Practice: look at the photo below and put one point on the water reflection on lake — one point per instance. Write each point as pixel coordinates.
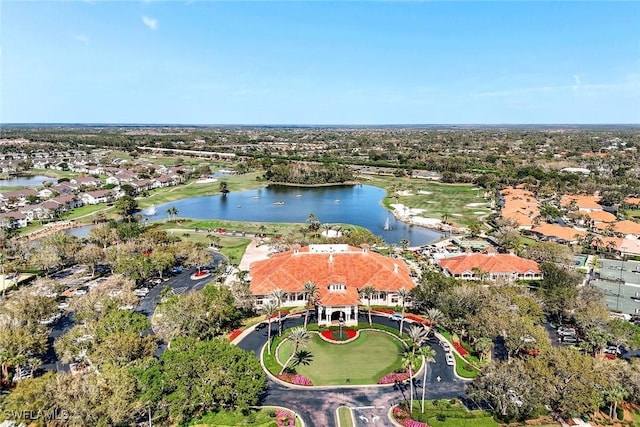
(27, 181)
(359, 205)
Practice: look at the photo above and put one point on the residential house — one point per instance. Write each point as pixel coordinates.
(520, 206)
(85, 182)
(558, 233)
(13, 220)
(97, 196)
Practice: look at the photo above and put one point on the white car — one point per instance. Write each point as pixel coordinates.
(611, 349)
(396, 316)
(449, 358)
(564, 331)
(141, 292)
(126, 307)
(445, 346)
(79, 292)
(63, 305)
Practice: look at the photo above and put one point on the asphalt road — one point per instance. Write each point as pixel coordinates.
(317, 406)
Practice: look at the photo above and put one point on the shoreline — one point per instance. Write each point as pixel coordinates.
(328, 184)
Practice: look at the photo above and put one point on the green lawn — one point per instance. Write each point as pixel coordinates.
(444, 413)
(256, 418)
(448, 201)
(54, 173)
(632, 213)
(363, 361)
(193, 189)
(344, 417)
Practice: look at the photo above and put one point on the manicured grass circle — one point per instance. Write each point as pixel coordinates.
(363, 361)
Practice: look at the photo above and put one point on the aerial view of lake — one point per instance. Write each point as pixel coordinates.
(359, 205)
(27, 181)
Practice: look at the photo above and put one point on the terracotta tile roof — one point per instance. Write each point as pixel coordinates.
(564, 233)
(520, 206)
(632, 200)
(627, 227)
(629, 246)
(354, 267)
(583, 202)
(496, 263)
(602, 216)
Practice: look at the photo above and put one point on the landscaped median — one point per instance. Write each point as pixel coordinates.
(440, 413)
(330, 363)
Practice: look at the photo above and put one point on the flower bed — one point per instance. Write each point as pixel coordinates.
(284, 418)
(233, 335)
(347, 334)
(394, 377)
(296, 379)
(463, 351)
(404, 418)
(416, 318)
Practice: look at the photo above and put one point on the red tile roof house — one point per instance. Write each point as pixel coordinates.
(339, 271)
(490, 265)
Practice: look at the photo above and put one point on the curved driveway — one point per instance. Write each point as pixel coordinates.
(317, 406)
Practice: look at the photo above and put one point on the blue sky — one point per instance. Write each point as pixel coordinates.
(350, 62)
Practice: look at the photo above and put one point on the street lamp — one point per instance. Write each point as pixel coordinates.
(341, 324)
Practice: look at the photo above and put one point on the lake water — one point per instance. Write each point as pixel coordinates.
(359, 205)
(27, 181)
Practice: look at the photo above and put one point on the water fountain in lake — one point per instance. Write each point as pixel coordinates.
(150, 211)
(386, 227)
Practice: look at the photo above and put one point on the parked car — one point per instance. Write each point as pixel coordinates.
(565, 331)
(611, 349)
(63, 305)
(260, 325)
(79, 292)
(176, 270)
(155, 281)
(445, 346)
(51, 319)
(449, 358)
(570, 339)
(397, 317)
(141, 292)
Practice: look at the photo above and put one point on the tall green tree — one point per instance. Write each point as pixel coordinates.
(368, 292)
(299, 337)
(311, 291)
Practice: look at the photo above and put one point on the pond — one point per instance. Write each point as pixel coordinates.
(27, 181)
(360, 205)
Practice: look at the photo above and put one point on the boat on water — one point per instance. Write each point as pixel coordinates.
(238, 206)
(278, 203)
(298, 195)
(256, 197)
(337, 200)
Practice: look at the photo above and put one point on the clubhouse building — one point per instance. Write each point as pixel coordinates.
(339, 272)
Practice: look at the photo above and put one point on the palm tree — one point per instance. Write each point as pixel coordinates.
(278, 295)
(428, 355)
(404, 294)
(368, 292)
(409, 361)
(172, 212)
(300, 338)
(269, 308)
(614, 395)
(404, 243)
(417, 335)
(435, 316)
(311, 290)
(302, 357)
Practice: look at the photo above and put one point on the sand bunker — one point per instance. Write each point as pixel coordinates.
(424, 192)
(475, 205)
(404, 193)
(206, 180)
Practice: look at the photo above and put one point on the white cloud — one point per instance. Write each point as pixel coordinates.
(82, 38)
(150, 22)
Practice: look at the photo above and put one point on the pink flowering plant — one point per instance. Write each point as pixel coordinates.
(394, 377)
